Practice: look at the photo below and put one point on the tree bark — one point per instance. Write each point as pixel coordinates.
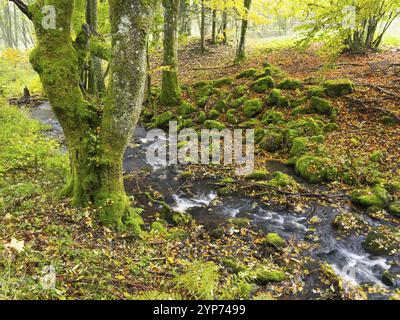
(241, 51)
(96, 136)
(203, 27)
(214, 27)
(170, 92)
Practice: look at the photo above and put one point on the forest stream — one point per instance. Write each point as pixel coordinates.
(199, 198)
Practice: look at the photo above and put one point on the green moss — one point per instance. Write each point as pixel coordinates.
(339, 88)
(264, 276)
(213, 124)
(223, 82)
(276, 98)
(221, 106)
(263, 84)
(375, 197)
(202, 102)
(252, 107)
(163, 119)
(283, 180)
(257, 175)
(320, 105)
(376, 156)
(239, 91)
(186, 174)
(202, 117)
(290, 84)
(202, 83)
(213, 114)
(383, 240)
(272, 141)
(395, 209)
(273, 117)
(186, 108)
(301, 110)
(305, 127)
(158, 227)
(316, 91)
(238, 102)
(315, 169)
(239, 222)
(231, 116)
(233, 265)
(249, 73)
(275, 240)
(330, 127)
(350, 224)
(302, 145)
(259, 134)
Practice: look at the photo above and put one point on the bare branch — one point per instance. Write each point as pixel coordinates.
(23, 7)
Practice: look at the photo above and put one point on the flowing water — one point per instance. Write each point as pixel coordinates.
(346, 256)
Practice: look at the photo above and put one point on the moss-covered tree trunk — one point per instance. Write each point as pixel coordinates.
(96, 136)
(241, 51)
(170, 92)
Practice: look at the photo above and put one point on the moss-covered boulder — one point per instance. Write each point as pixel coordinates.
(214, 114)
(162, 120)
(249, 73)
(339, 88)
(273, 117)
(321, 106)
(237, 103)
(202, 117)
(233, 266)
(263, 84)
(273, 140)
(330, 127)
(315, 91)
(315, 169)
(277, 99)
(305, 127)
(213, 124)
(290, 84)
(202, 102)
(350, 224)
(223, 82)
(239, 91)
(186, 108)
(282, 180)
(221, 106)
(259, 134)
(257, 175)
(274, 239)
(301, 110)
(375, 197)
(383, 240)
(239, 222)
(302, 145)
(252, 107)
(231, 116)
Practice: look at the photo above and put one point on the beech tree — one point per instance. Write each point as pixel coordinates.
(170, 93)
(240, 54)
(96, 135)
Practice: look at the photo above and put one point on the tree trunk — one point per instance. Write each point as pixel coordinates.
(170, 92)
(214, 27)
(203, 27)
(241, 51)
(96, 136)
(224, 27)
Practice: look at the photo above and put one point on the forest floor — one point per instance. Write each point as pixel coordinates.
(38, 233)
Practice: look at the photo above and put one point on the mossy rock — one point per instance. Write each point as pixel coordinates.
(221, 106)
(294, 103)
(315, 169)
(316, 91)
(331, 127)
(383, 240)
(263, 84)
(234, 266)
(394, 209)
(281, 179)
(225, 191)
(179, 218)
(300, 110)
(237, 103)
(185, 123)
(231, 116)
(264, 276)
(376, 156)
(393, 186)
(239, 91)
(158, 227)
(162, 120)
(249, 73)
(214, 114)
(390, 279)
(274, 239)
(277, 99)
(302, 145)
(305, 127)
(223, 82)
(375, 197)
(186, 108)
(214, 125)
(257, 175)
(321, 106)
(350, 224)
(252, 107)
(240, 222)
(339, 88)
(272, 141)
(259, 134)
(290, 84)
(202, 117)
(202, 102)
(178, 234)
(202, 83)
(217, 233)
(273, 117)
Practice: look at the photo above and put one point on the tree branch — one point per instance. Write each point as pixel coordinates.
(23, 7)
